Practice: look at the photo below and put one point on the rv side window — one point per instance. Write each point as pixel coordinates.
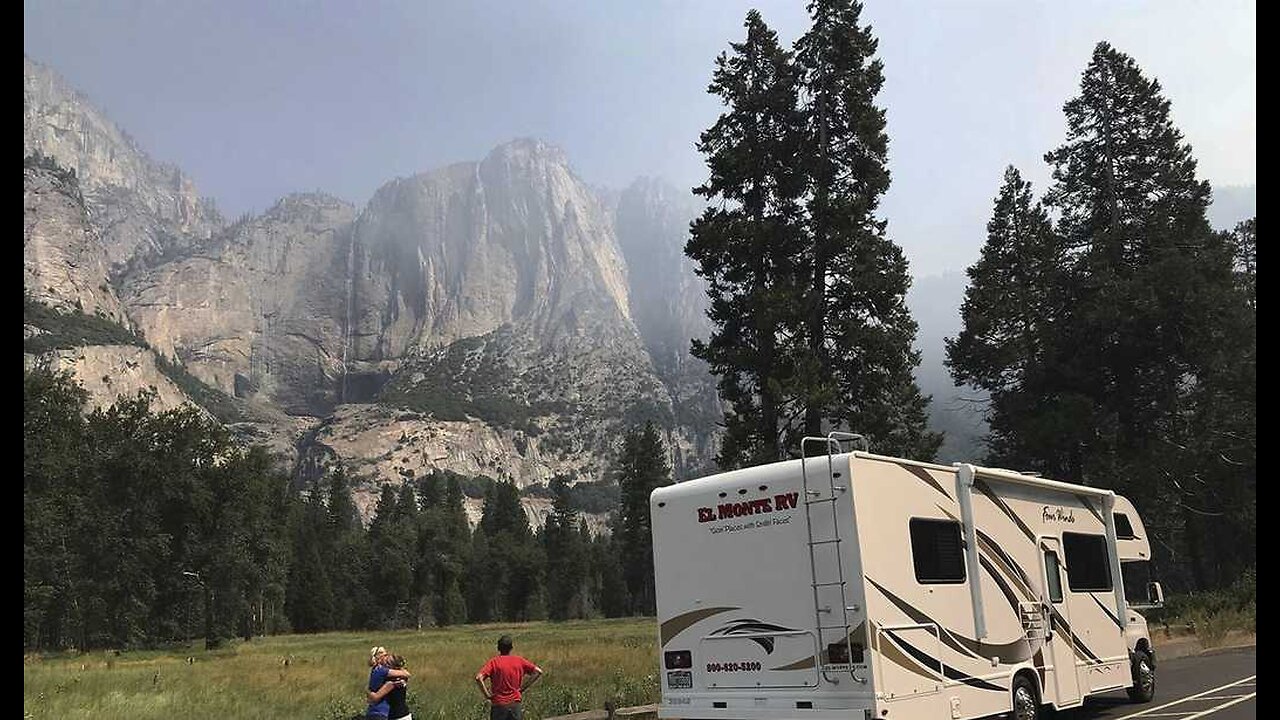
(937, 551)
(1088, 564)
(1124, 528)
(1054, 575)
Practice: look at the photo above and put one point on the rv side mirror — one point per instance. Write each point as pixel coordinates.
(1155, 594)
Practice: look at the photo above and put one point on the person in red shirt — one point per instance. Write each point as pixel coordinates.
(509, 676)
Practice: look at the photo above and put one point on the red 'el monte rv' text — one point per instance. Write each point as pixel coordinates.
(783, 501)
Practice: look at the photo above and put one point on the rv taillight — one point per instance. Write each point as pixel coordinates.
(677, 659)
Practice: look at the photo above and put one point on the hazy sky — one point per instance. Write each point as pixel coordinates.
(257, 99)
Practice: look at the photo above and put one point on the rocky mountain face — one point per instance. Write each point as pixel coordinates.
(142, 209)
(515, 240)
(64, 264)
(258, 310)
(490, 303)
(109, 372)
(493, 318)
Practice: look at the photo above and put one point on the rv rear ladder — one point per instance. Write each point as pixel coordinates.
(832, 440)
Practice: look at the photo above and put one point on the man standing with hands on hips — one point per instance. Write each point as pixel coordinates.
(509, 676)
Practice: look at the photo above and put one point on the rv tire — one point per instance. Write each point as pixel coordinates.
(1144, 678)
(1026, 699)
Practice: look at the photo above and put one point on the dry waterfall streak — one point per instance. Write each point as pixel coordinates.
(1190, 714)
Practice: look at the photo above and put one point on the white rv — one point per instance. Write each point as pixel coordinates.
(853, 585)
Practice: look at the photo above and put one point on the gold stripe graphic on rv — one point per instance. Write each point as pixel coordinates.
(1081, 650)
(891, 651)
(1008, 653)
(677, 624)
(925, 476)
(856, 635)
(948, 672)
(1000, 583)
(985, 489)
(1107, 610)
(1010, 566)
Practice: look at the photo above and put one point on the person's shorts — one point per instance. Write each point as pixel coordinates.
(505, 712)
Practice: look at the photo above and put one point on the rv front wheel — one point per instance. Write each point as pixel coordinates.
(1144, 678)
(1026, 703)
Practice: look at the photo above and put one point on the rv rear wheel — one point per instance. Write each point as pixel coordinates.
(1026, 701)
(1144, 678)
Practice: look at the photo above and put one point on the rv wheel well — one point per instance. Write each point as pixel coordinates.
(1030, 675)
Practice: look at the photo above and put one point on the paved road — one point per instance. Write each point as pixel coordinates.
(1215, 687)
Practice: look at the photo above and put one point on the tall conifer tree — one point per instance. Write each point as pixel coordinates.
(748, 240)
(856, 368)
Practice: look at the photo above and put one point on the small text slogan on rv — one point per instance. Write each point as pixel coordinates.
(748, 508)
(1057, 514)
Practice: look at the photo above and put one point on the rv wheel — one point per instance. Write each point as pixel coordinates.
(1144, 678)
(1026, 704)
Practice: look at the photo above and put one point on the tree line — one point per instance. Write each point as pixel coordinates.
(142, 528)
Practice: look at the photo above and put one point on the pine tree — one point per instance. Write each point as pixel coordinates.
(487, 580)
(610, 589)
(52, 445)
(643, 467)
(1133, 214)
(454, 553)
(857, 362)
(309, 599)
(1218, 456)
(503, 512)
(345, 550)
(1012, 305)
(747, 240)
(391, 542)
(566, 556)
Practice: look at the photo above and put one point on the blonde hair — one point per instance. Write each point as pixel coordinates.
(375, 652)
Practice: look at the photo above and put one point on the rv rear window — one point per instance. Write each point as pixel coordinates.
(937, 551)
(1088, 564)
(1124, 528)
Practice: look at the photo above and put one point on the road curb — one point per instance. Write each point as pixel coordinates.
(1228, 648)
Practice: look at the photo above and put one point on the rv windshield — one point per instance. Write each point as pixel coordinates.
(1137, 575)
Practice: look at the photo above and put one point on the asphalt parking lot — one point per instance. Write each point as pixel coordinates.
(1220, 686)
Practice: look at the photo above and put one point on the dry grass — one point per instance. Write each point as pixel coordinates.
(586, 664)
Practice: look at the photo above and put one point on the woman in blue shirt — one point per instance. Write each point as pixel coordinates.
(381, 675)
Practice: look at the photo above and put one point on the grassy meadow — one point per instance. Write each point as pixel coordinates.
(586, 663)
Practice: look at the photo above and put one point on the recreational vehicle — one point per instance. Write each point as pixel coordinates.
(854, 585)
